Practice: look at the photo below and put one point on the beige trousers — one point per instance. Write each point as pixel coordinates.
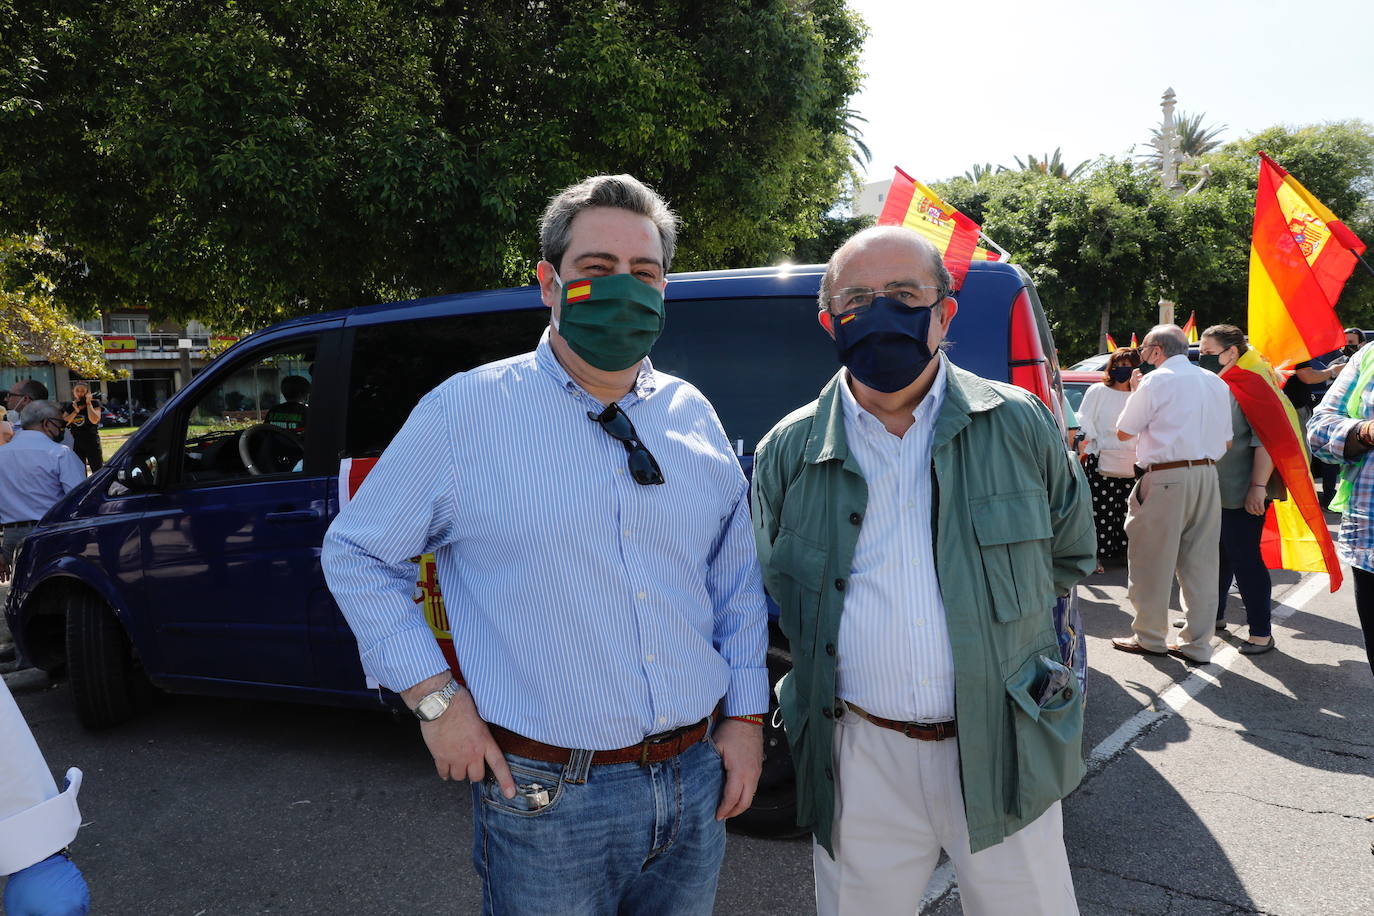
(898, 802)
(1173, 528)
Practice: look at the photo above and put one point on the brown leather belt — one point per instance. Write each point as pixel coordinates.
(1179, 464)
(922, 731)
(653, 749)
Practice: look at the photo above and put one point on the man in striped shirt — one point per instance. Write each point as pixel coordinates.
(593, 545)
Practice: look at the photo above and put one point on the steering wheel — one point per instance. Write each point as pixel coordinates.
(255, 439)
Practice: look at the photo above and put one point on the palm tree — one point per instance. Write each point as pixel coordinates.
(860, 153)
(1051, 165)
(1193, 139)
(979, 172)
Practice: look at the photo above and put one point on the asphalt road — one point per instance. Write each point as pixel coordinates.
(1254, 797)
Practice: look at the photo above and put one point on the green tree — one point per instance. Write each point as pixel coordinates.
(243, 162)
(1050, 165)
(32, 324)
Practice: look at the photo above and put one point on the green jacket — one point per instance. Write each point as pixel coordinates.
(1013, 529)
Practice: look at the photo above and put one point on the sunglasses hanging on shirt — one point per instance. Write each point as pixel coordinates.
(616, 422)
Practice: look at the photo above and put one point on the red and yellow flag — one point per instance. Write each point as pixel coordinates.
(913, 205)
(1134, 343)
(1295, 535)
(120, 343)
(1300, 257)
(1190, 328)
(1111, 344)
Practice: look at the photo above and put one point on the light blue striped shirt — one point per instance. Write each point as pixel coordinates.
(895, 658)
(35, 472)
(587, 611)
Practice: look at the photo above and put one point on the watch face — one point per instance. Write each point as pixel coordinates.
(431, 708)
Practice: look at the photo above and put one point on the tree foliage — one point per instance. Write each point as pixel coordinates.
(1105, 247)
(33, 324)
(243, 162)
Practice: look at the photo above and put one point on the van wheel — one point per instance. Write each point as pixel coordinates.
(774, 811)
(100, 663)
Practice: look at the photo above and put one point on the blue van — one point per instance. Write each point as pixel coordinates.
(191, 561)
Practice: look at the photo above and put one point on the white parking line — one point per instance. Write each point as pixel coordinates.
(1169, 702)
(1182, 693)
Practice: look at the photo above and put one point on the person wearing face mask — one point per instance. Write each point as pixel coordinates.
(1108, 461)
(591, 529)
(1243, 475)
(915, 525)
(35, 472)
(1183, 419)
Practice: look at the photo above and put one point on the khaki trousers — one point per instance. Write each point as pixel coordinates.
(898, 802)
(1173, 528)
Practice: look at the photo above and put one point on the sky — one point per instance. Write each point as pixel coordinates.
(953, 84)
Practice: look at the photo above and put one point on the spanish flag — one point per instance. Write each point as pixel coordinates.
(1295, 535)
(1134, 342)
(579, 290)
(1300, 257)
(1111, 344)
(913, 205)
(1190, 328)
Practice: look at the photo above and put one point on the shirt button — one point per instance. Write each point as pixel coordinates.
(626, 532)
(649, 657)
(662, 719)
(828, 712)
(830, 648)
(855, 518)
(641, 595)
(925, 681)
(920, 621)
(839, 585)
(620, 470)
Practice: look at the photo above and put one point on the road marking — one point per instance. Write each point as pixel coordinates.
(1170, 702)
(1181, 694)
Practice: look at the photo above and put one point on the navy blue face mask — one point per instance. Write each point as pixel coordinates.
(1120, 374)
(884, 346)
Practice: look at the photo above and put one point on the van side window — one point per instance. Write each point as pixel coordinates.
(254, 421)
(397, 363)
(786, 364)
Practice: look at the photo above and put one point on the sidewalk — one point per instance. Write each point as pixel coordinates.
(1255, 796)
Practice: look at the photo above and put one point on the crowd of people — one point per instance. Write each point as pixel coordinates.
(1197, 449)
(606, 589)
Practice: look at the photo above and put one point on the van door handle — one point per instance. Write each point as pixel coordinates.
(292, 517)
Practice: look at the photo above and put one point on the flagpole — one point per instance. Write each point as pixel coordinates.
(1362, 261)
(1006, 255)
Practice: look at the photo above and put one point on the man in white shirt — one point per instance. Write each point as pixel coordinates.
(1173, 524)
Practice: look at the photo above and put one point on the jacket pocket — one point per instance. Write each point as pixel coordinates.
(1013, 531)
(801, 563)
(1047, 718)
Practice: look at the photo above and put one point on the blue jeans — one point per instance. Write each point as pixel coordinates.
(613, 839)
(1240, 558)
(53, 887)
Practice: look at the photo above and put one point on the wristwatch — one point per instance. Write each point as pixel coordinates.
(433, 705)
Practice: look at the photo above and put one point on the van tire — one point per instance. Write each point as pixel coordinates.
(774, 810)
(100, 663)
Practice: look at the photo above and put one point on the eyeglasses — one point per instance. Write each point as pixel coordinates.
(643, 468)
(858, 298)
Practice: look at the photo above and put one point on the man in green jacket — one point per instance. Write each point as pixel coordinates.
(915, 525)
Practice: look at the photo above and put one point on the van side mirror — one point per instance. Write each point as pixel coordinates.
(139, 475)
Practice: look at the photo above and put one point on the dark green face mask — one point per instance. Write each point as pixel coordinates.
(611, 322)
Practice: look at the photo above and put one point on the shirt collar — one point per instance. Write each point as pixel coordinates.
(1173, 361)
(923, 413)
(646, 382)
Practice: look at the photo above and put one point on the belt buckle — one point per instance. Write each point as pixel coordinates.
(908, 726)
(650, 742)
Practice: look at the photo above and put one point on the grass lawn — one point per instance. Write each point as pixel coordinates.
(112, 438)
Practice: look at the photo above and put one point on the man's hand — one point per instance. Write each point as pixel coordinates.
(1254, 500)
(459, 741)
(741, 748)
